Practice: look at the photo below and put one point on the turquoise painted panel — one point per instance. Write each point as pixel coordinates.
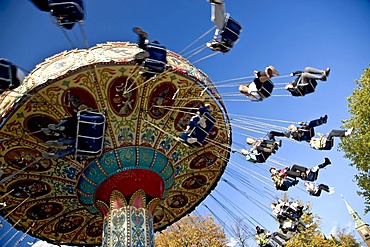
(87, 200)
(146, 156)
(109, 163)
(168, 184)
(168, 172)
(127, 156)
(94, 174)
(93, 210)
(159, 163)
(86, 187)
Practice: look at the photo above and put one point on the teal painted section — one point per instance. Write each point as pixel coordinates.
(146, 157)
(109, 163)
(130, 158)
(168, 172)
(159, 163)
(85, 187)
(168, 184)
(127, 156)
(94, 174)
(87, 200)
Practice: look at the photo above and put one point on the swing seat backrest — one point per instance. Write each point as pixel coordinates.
(67, 12)
(262, 157)
(312, 176)
(8, 75)
(266, 89)
(306, 134)
(230, 33)
(306, 89)
(157, 60)
(202, 133)
(90, 133)
(328, 144)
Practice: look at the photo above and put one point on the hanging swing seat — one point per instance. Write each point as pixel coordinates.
(9, 76)
(230, 33)
(312, 176)
(264, 90)
(305, 134)
(329, 143)
(157, 60)
(67, 13)
(261, 157)
(90, 133)
(196, 134)
(302, 90)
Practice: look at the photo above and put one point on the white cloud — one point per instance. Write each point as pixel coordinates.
(45, 244)
(333, 230)
(232, 242)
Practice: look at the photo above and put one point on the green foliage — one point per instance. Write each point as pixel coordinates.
(356, 146)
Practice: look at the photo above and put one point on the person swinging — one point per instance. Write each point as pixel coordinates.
(227, 29)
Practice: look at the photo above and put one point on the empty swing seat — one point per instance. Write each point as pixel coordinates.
(10, 76)
(90, 133)
(67, 12)
(231, 31)
(157, 60)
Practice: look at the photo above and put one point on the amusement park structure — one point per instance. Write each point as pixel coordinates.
(129, 174)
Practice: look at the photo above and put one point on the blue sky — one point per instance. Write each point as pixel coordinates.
(287, 34)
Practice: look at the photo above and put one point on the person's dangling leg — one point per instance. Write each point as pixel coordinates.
(318, 122)
(298, 171)
(336, 133)
(298, 168)
(218, 16)
(67, 141)
(264, 149)
(326, 163)
(276, 240)
(280, 235)
(325, 73)
(142, 39)
(305, 79)
(323, 187)
(64, 152)
(271, 135)
(314, 70)
(318, 192)
(301, 223)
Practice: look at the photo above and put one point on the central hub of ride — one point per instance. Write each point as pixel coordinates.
(126, 185)
(125, 170)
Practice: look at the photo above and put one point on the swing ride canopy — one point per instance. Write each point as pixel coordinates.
(60, 200)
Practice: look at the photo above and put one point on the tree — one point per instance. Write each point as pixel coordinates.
(346, 238)
(313, 237)
(356, 146)
(199, 231)
(241, 232)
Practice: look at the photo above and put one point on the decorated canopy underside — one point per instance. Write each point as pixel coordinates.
(147, 117)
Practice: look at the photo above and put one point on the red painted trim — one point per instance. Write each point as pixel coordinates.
(130, 181)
